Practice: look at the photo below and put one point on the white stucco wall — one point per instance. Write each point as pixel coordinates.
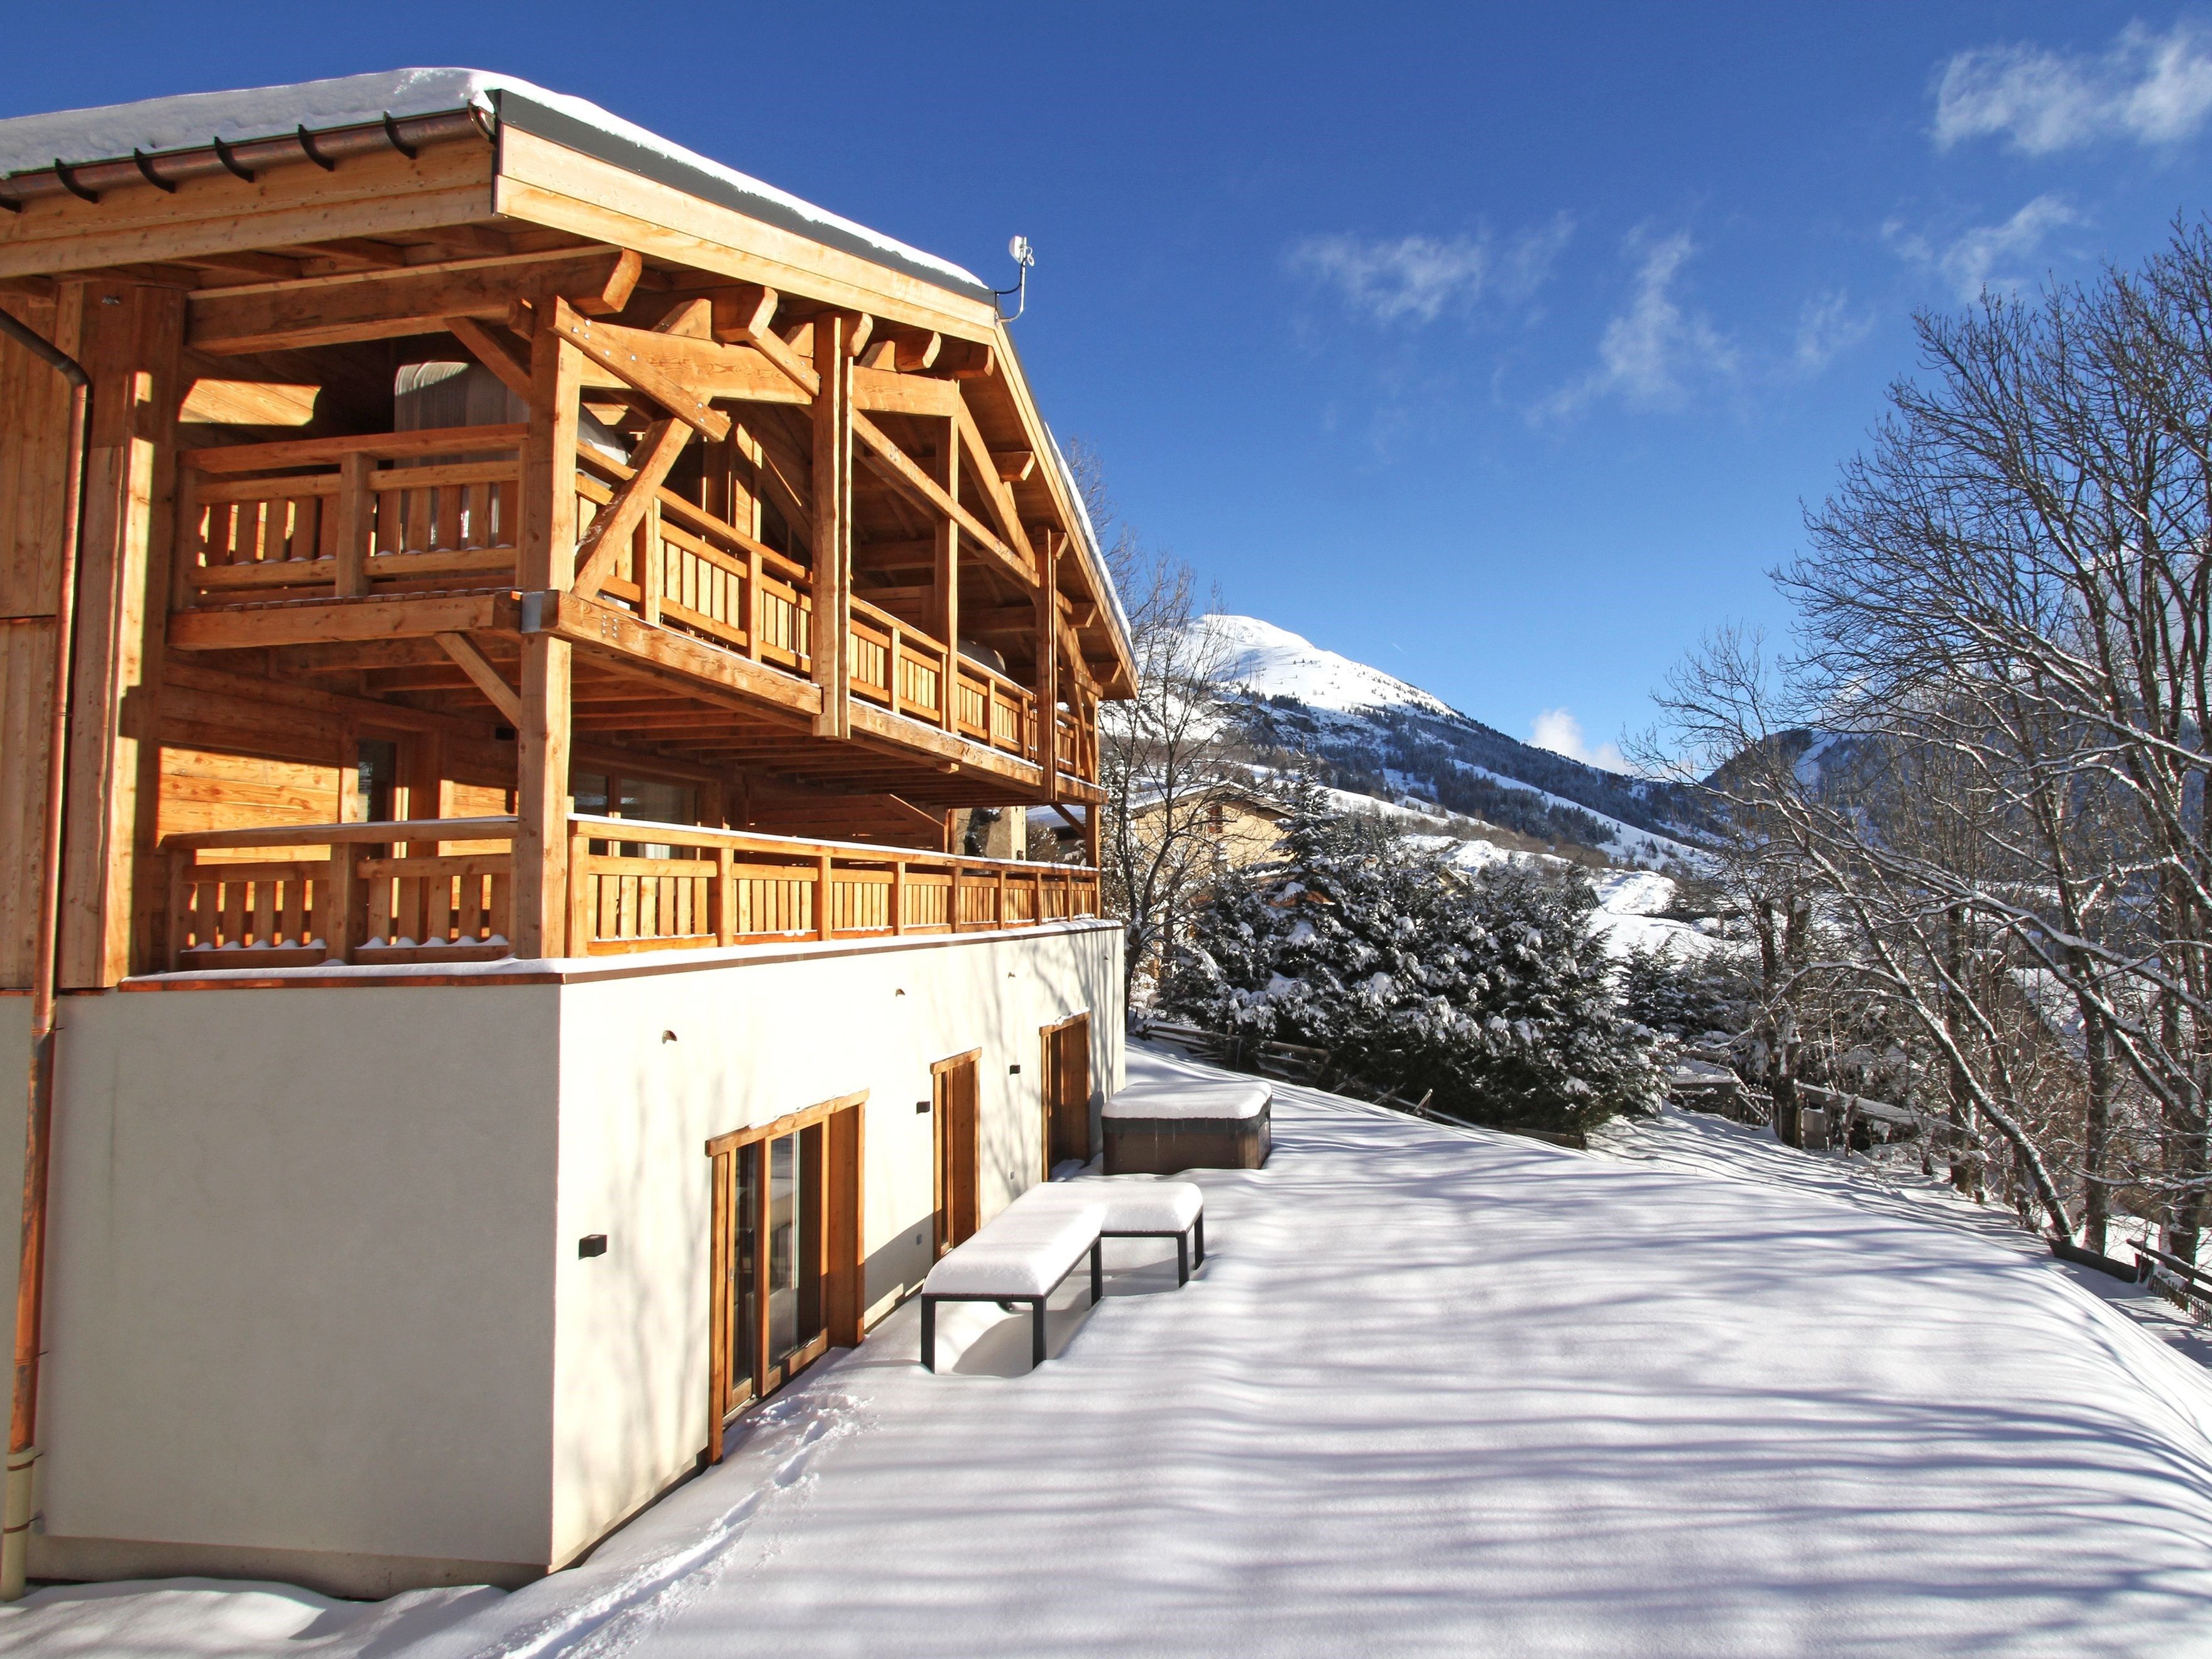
(753, 1041)
(300, 1290)
(315, 1287)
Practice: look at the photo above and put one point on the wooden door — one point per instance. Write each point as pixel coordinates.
(789, 1264)
(1066, 1092)
(953, 1088)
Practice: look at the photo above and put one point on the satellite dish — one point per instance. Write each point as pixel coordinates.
(1018, 250)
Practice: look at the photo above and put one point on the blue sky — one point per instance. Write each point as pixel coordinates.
(1495, 345)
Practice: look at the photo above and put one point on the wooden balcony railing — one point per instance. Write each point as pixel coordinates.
(686, 569)
(412, 511)
(712, 887)
(323, 892)
(301, 895)
(346, 517)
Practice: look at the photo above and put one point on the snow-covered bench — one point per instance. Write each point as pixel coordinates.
(1021, 1255)
(1136, 1207)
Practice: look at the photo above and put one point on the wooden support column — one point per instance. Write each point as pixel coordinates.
(129, 340)
(1047, 663)
(944, 590)
(834, 331)
(547, 561)
(422, 776)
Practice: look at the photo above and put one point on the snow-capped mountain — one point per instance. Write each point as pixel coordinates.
(1384, 737)
(1274, 662)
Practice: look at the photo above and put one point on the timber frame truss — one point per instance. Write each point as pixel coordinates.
(764, 510)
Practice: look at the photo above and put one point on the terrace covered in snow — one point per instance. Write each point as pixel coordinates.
(1438, 1392)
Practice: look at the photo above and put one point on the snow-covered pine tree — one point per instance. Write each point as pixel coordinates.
(1554, 1049)
(1689, 998)
(1488, 989)
(1288, 948)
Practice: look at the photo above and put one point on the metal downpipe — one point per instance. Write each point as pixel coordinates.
(38, 1122)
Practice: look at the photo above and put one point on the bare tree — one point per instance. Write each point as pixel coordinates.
(2008, 601)
(1164, 756)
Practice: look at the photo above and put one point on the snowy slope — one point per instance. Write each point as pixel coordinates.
(1437, 1391)
(1391, 740)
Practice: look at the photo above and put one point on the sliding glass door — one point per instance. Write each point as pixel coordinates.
(786, 1250)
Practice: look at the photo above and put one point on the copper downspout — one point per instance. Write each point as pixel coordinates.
(38, 1123)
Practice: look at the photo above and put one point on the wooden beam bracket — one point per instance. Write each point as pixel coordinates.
(473, 663)
(605, 346)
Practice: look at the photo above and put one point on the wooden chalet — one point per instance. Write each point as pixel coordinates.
(541, 607)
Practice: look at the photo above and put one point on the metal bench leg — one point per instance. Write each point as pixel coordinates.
(1198, 1232)
(1182, 1259)
(928, 1333)
(1036, 1332)
(1098, 1271)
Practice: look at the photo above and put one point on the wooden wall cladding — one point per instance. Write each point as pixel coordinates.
(33, 429)
(33, 433)
(27, 670)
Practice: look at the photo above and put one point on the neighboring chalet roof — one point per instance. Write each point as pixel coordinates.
(79, 152)
(1251, 800)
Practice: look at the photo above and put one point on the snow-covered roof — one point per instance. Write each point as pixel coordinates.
(113, 132)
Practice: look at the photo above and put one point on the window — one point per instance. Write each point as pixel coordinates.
(376, 779)
(605, 794)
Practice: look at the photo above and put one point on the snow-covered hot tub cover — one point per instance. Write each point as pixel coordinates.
(1159, 1088)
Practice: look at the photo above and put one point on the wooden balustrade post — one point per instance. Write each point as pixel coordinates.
(891, 673)
(357, 524)
(341, 903)
(898, 897)
(582, 893)
(651, 563)
(824, 897)
(753, 607)
(180, 861)
(999, 916)
(726, 897)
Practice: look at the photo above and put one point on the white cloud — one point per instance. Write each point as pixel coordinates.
(1559, 731)
(1986, 256)
(1652, 350)
(1828, 325)
(1416, 279)
(2153, 89)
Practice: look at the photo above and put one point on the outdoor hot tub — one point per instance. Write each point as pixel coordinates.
(1172, 1116)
